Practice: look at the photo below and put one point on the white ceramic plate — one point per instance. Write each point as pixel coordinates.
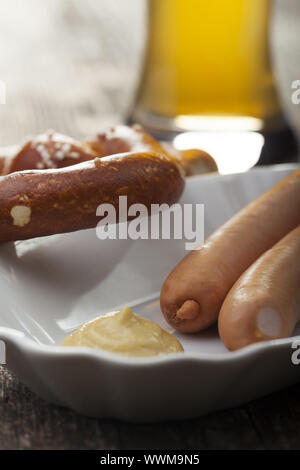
(50, 286)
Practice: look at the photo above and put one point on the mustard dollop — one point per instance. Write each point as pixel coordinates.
(124, 333)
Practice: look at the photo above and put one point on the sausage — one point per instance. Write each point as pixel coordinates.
(48, 150)
(264, 303)
(34, 203)
(192, 294)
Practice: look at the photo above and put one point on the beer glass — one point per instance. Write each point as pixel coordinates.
(207, 68)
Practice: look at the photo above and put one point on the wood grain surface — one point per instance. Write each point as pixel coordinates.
(72, 66)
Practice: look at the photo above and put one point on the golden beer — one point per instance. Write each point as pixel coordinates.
(207, 67)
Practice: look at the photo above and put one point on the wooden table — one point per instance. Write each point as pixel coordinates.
(72, 66)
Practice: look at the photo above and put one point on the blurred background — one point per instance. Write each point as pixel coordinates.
(75, 66)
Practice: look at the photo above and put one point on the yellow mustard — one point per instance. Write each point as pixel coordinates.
(124, 333)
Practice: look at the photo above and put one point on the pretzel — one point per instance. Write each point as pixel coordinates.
(125, 139)
(54, 150)
(54, 184)
(48, 150)
(35, 203)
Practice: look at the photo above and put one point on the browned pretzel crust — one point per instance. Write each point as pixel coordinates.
(44, 202)
(54, 150)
